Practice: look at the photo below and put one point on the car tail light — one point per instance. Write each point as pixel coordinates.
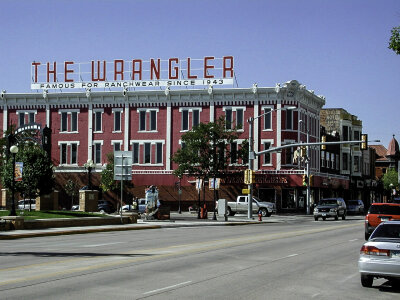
(371, 250)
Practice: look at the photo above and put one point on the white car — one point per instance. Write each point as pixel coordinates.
(27, 203)
(380, 255)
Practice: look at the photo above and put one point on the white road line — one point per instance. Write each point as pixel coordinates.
(353, 240)
(168, 287)
(99, 245)
(291, 255)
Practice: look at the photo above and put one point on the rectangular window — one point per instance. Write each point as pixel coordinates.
(289, 156)
(153, 120)
(345, 162)
(97, 121)
(289, 119)
(196, 117)
(159, 153)
(228, 118)
(185, 119)
(233, 153)
(64, 122)
(63, 150)
(117, 121)
(97, 153)
(239, 118)
(31, 116)
(267, 156)
(142, 120)
(147, 153)
(21, 117)
(74, 151)
(333, 161)
(356, 164)
(135, 156)
(117, 146)
(356, 135)
(74, 121)
(345, 133)
(267, 118)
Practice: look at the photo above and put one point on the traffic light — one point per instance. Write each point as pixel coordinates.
(252, 176)
(46, 140)
(323, 147)
(304, 180)
(364, 141)
(249, 176)
(246, 176)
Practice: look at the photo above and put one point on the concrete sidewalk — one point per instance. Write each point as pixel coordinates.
(177, 220)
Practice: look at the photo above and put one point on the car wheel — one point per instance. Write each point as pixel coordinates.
(102, 211)
(316, 218)
(228, 211)
(263, 212)
(367, 280)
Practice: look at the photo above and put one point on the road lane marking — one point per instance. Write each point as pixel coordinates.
(167, 287)
(99, 245)
(353, 240)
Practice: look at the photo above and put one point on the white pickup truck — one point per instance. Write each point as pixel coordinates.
(241, 206)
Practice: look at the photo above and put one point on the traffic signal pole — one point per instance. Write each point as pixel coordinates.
(251, 167)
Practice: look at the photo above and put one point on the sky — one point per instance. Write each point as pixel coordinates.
(337, 48)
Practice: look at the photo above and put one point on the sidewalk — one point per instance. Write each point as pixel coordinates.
(185, 219)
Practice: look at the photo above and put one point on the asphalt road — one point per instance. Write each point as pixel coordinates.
(296, 259)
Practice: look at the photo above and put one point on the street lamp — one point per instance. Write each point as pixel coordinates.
(252, 154)
(391, 191)
(89, 165)
(14, 151)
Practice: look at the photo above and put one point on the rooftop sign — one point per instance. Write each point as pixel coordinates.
(134, 73)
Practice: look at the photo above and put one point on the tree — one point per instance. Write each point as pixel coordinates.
(394, 42)
(391, 177)
(208, 151)
(71, 188)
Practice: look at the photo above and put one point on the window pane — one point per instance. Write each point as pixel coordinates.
(135, 149)
(142, 120)
(21, 119)
(185, 120)
(239, 118)
(117, 121)
(267, 118)
(289, 119)
(63, 154)
(64, 122)
(74, 121)
(196, 117)
(147, 153)
(73, 153)
(117, 146)
(153, 120)
(228, 118)
(159, 153)
(97, 154)
(267, 156)
(31, 117)
(233, 153)
(98, 121)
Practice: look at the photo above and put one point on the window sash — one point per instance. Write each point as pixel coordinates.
(74, 152)
(185, 120)
(64, 122)
(21, 119)
(74, 121)
(147, 153)
(159, 153)
(267, 156)
(267, 118)
(117, 121)
(98, 121)
(228, 118)
(239, 118)
(289, 119)
(153, 120)
(196, 117)
(31, 117)
(135, 149)
(97, 153)
(142, 120)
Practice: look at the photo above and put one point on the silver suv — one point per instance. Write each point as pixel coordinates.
(330, 208)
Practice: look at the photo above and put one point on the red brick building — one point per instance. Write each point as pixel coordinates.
(88, 125)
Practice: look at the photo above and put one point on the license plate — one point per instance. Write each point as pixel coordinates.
(324, 215)
(395, 253)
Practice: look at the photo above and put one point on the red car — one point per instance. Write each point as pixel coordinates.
(380, 212)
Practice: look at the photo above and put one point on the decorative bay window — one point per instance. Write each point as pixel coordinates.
(147, 119)
(26, 116)
(147, 152)
(234, 115)
(68, 152)
(69, 120)
(185, 119)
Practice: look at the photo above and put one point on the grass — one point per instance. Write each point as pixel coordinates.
(51, 214)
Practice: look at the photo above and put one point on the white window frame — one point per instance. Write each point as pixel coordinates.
(141, 152)
(95, 112)
(69, 120)
(234, 110)
(68, 158)
(116, 111)
(25, 113)
(95, 157)
(147, 126)
(271, 108)
(190, 115)
(114, 142)
(271, 142)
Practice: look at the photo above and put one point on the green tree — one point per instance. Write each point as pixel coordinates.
(394, 42)
(391, 177)
(71, 188)
(107, 182)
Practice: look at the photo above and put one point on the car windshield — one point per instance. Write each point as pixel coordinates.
(387, 230)
(328, 202)
(385, 209)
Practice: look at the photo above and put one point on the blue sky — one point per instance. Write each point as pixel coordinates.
(337, 48)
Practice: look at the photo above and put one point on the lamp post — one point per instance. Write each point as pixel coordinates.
(391, 191)
(252, 154)
(14, 151)
(89, 165)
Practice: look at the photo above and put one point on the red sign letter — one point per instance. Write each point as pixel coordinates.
(36, 64)
(116, 72)
(228, 69)
(206, 66)
(188, 70)
(134, 69)
(154, 70)
(66, 71)
(98, 71)
(176, 69)
(51, 72)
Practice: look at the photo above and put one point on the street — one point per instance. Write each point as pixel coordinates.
(296, 258)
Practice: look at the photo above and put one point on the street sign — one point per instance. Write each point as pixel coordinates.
(123, 165)
(245, 191)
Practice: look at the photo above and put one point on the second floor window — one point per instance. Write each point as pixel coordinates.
(97, 121)
(97, 153)
(117, 120)
(267, 156)
(68, 153)
(25, 117)
(234, 116)
(148, 119)
(289, 119)
(69, 121)
(267, 118)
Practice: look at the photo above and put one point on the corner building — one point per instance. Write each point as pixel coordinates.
(91, 124)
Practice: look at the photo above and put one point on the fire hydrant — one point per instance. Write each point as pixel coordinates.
(259, 216)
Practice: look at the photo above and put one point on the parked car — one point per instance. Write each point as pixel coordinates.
(103, 206)
(380, 255)
(330, 208)
(355, 207)
(380, 212)
(27, 203)
(129, 207)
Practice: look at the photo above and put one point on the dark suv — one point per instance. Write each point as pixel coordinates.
(330, 208)
(105, 206)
